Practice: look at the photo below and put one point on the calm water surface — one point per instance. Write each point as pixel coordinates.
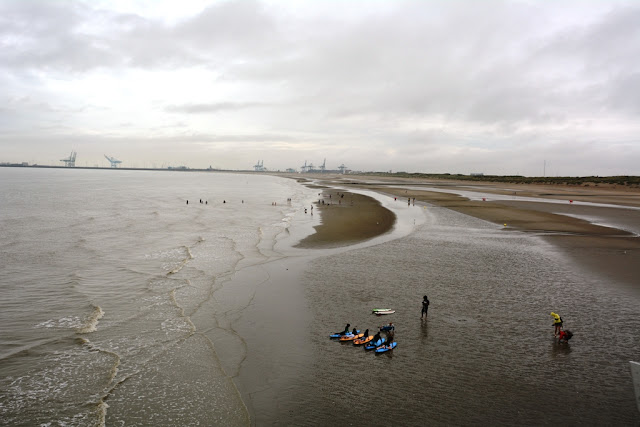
(109, 311)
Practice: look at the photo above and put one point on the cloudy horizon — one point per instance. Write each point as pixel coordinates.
(494, 87)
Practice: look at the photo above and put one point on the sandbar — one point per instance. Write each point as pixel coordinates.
(347, 218)
(602, 248)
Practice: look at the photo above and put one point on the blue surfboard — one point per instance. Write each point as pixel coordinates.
(373, 346)
(384, 348)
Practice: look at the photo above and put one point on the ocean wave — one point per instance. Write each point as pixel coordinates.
(69, 322)
(91, 322)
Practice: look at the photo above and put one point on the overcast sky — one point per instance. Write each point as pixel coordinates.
(499, 87)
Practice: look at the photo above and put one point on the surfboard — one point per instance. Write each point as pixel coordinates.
(351, 337)
(375, 310)
(340, 334)
(373, 346)
(380, 313)
(363, 340)
(383, 349)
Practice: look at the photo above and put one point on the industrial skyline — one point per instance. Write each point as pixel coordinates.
(70, 162)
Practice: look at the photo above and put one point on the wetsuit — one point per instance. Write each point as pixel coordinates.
(425, 307)
(390, 334)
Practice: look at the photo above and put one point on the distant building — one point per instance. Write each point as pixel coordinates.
(477, 174)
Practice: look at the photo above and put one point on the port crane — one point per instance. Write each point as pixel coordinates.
(323, 166)
(259, 167)
(70, 162)
(114, 162)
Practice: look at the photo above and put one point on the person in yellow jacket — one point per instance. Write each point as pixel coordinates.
(557, 323)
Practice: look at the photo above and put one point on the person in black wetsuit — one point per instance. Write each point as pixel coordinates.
(425, 306)
(346, 329)
(376, 337)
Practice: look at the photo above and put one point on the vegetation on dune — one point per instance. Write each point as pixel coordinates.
(630, 181)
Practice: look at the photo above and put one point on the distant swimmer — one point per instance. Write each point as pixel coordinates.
(557, 323)
(224, 201)
(187, 202)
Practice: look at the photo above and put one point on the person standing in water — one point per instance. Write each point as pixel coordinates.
(425, 307)
(390, 335)
(557, 323)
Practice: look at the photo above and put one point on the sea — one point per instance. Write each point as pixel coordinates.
(122, 304)
(105, 276)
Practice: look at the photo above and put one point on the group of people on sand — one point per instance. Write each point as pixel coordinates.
(558, 330)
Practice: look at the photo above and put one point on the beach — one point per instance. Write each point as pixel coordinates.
(136, 308)
(486, 354)
(603, 249)
(347, 218)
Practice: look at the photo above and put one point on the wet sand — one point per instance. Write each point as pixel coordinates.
(602, 249)
(459, 367)
(347, 218)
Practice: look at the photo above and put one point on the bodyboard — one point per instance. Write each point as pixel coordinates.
(373, 346)
(364, 340)
(351, 337)
(383, 349)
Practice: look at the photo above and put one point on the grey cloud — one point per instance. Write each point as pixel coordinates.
(68, 36)
(418, 79)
